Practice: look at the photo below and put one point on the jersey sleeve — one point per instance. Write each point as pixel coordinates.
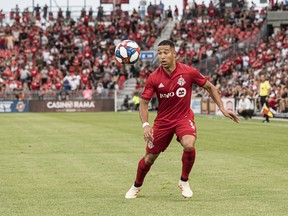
(267, 85)
(198, 78)
(148, 90)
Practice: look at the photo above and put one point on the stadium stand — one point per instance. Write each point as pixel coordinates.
(232, 49)
(45, 54)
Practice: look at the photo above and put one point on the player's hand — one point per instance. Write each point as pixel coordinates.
(148, 133)
(231, 115)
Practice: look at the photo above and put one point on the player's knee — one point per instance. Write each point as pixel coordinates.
(149, 161)
(150, 158)
(188, 148)
(188, 143)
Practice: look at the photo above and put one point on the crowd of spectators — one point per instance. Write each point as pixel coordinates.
(241, 74)
(199, 38)
(211, 32)
(67, 54)
(204, 31)
(278, 6)
(44, 51)
(203, 35)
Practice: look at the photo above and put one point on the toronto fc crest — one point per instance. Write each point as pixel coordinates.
(150, 145)
(181, 81)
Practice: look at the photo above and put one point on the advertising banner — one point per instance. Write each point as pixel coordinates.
(147, 55)
(116, 1)
(71, 106)
(212, 107)
(229, 104)
(204, 106)
(196, 105)
(13, 106)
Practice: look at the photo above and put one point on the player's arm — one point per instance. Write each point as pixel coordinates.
(143, 110)
(143, 113)
(217, 99)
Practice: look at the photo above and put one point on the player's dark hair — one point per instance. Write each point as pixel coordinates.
(167, 42)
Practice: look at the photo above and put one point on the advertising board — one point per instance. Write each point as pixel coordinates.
(71, 106)
(229, 104)
(196, 105)
(13, 106)
(116, 1)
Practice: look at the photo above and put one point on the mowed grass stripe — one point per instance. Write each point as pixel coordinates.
(83, 163)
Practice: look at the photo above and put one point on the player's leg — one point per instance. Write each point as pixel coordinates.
(144, 166)
(162, 139)
(263, 102)
(186, 134)
(188, 156)
(188, 159)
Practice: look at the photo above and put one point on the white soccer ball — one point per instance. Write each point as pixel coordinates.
(127, 52)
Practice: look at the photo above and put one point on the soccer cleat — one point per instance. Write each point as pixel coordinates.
(186, 190)
(133, 192)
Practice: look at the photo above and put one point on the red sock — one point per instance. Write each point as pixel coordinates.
(142, 170)
(188, 159)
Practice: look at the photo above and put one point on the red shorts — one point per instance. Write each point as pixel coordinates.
(164, 135)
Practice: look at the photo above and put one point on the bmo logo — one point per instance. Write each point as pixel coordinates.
(181, 92)
(167, 95)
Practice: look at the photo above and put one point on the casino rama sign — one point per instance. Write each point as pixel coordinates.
(70, 104)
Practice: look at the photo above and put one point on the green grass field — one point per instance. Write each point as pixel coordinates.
(58, 164)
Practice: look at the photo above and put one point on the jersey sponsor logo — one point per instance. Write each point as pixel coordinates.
(150, 145)
(181, 81)
(181, 92)
(161, 85)
(167, 95)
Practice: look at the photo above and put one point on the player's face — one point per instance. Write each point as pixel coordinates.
(166, 56)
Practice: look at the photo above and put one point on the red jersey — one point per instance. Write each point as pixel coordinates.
(84, 79)
(173, 92)
(51, 73)
(34, 72)
(58, 85)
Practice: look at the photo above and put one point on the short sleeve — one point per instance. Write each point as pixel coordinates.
(268, 85)
(198, 78)
(148, 90)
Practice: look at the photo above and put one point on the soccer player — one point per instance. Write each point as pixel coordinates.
(172, 83)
